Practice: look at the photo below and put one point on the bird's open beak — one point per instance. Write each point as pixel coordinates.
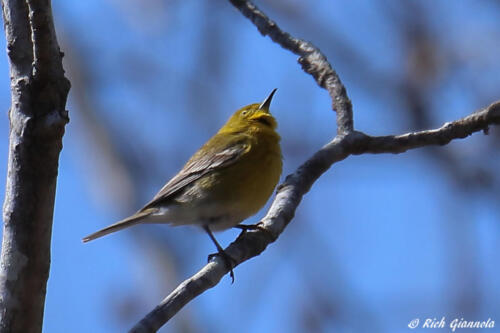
(267, 102)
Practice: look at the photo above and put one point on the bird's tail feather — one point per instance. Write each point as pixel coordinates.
(137, 218)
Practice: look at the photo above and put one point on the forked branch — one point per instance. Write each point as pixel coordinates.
(289, 194)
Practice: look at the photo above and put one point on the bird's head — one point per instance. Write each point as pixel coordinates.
(253, 115)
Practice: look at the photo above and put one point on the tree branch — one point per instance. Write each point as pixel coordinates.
(47, 56)
(289, 194)
(312, 60)
(37, 119)
(459, 129)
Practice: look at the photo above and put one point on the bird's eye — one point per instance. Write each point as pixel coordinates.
(244, 113)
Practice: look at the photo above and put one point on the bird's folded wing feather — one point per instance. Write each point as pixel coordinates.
(214, 155)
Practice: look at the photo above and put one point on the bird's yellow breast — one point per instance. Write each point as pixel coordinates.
(244, 187)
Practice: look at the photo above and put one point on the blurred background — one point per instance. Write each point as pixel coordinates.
(379, 240)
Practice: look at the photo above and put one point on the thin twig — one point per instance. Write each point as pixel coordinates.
(459, 129)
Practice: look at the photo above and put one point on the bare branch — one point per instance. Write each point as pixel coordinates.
(47, 57)
(312, 60)
(458, 129)
(252, 243)
(19, 49)
(37, 119)
(289, 194)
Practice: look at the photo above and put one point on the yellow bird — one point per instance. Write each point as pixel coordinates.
(227, 180)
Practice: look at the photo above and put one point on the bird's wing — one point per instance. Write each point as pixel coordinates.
(214, 155)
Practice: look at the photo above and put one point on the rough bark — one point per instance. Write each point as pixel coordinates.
(37, 119)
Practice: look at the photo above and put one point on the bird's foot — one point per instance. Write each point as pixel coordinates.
(258, 226)
(228, 260)
(246, 227)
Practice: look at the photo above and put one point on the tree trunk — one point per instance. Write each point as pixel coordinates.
(37, 120)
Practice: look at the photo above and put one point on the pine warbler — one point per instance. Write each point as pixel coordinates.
(227, 180)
